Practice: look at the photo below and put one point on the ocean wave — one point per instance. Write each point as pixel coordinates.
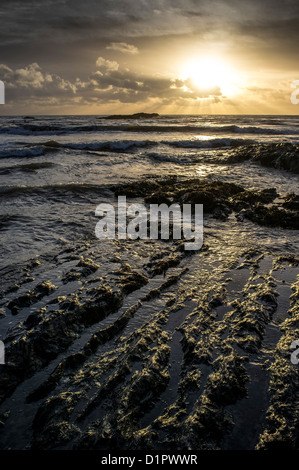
(210, 143)
(106, 145)
(31, 130)
(27, 167)
(51, 129)
(34, 151)
(56, 189)
(209, 129)
(114, 145)
(117, 146)
(178, 159)
(39, 149)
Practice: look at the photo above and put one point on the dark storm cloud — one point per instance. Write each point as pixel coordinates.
(285, 30)
(65, 37)
(35, 30)
(51, 30)
(21, 20)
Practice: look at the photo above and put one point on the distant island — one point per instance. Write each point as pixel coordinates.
(131, 116)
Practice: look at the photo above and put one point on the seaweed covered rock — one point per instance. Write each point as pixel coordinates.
(43, 289)
(282, 431)
(47, 333)
(214, 195)
(284, 156)
(273, 216)
(250, 197)
(291, 202)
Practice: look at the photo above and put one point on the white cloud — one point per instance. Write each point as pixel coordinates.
(31, 80)
(30, 76)
(106, 65)
(123, 47)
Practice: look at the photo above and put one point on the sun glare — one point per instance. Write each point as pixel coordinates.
(210, 72)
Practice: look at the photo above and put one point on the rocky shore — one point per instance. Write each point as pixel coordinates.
(142, 345)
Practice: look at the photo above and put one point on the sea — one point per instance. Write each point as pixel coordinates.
(55, 170)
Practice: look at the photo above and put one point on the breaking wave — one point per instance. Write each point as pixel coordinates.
(51, 129)
(209, 143)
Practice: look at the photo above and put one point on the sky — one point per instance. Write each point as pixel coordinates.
(166, 56)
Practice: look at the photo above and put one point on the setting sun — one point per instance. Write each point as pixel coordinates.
(211, 72)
